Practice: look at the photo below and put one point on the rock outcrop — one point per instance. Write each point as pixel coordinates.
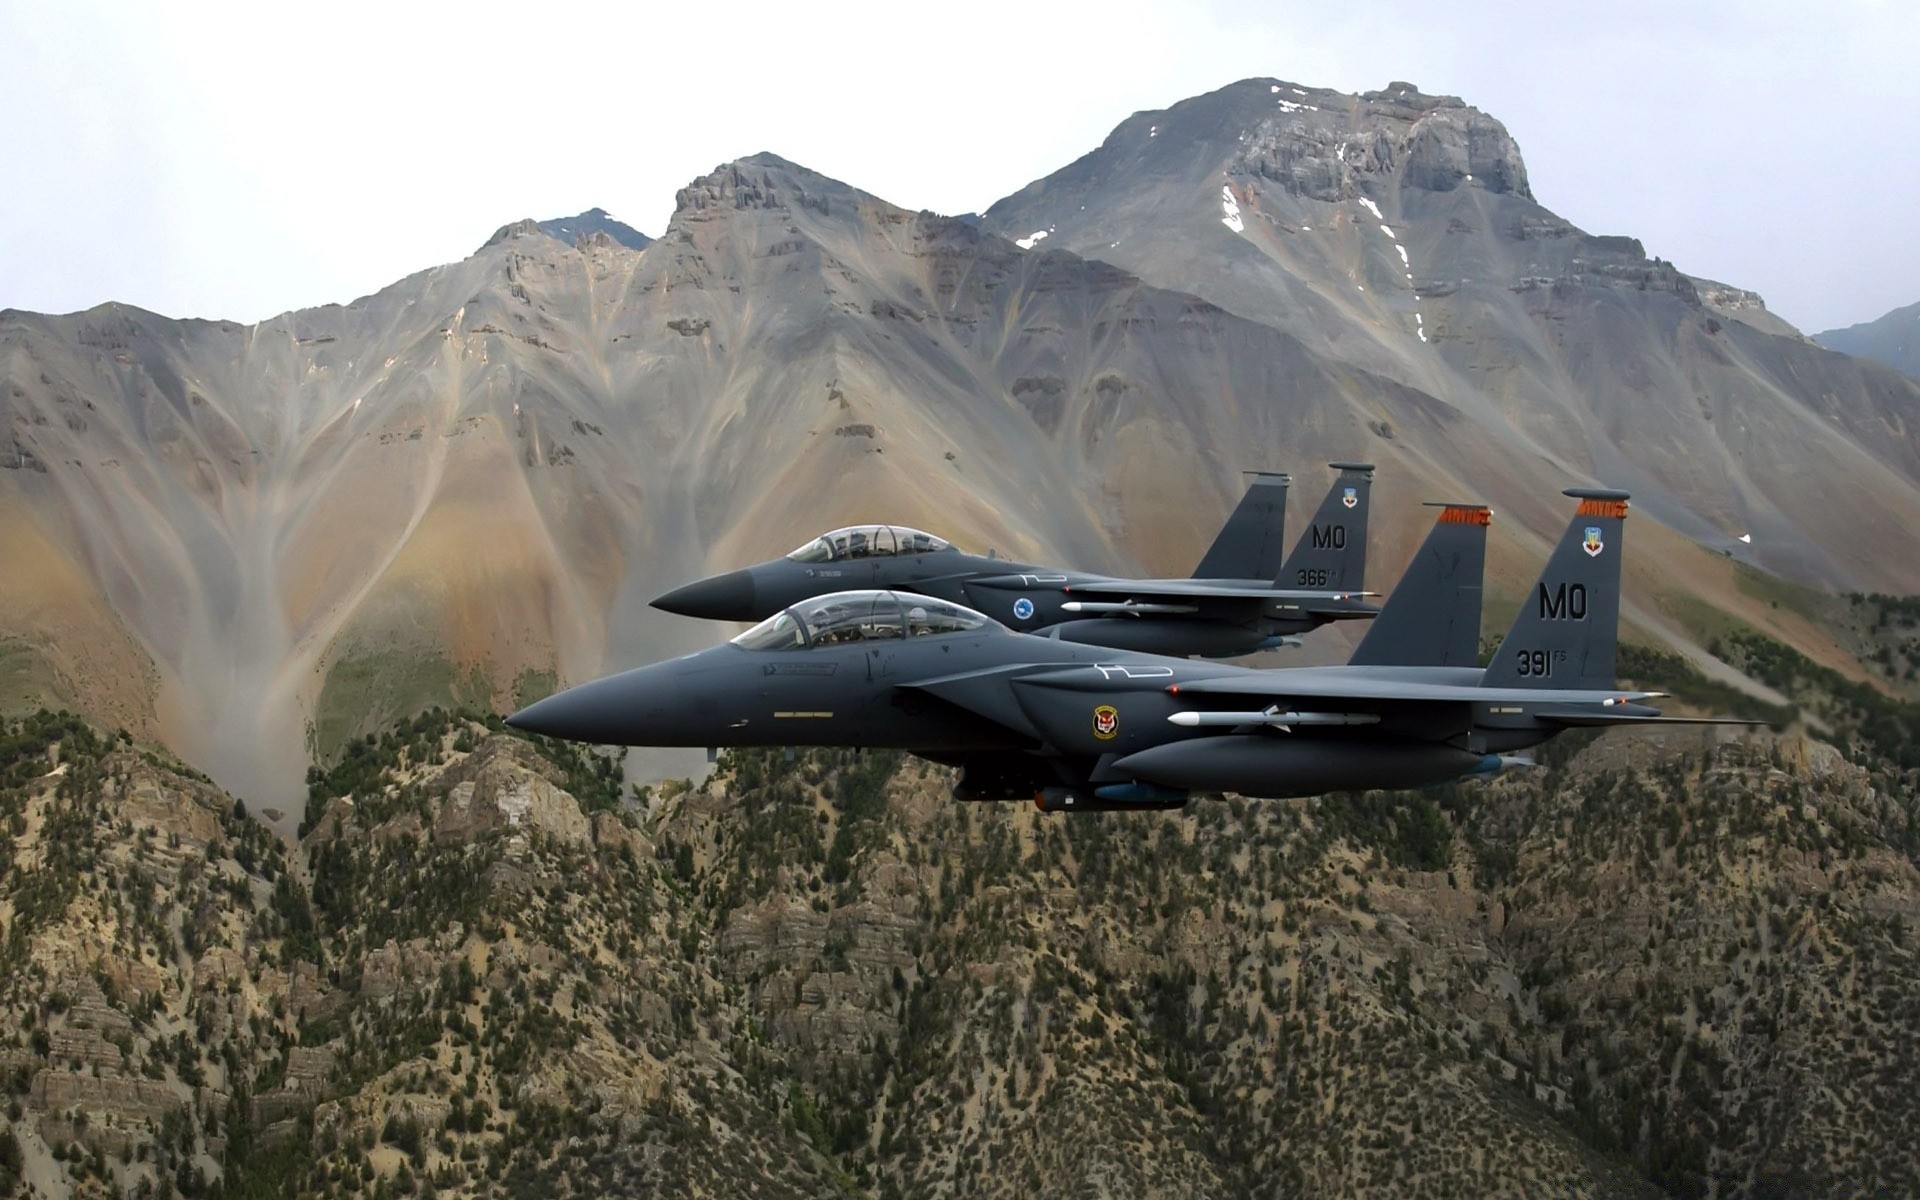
(1671, 961)
(507, 785)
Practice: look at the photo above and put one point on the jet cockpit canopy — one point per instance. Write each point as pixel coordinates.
(860, 617)
(867, 541)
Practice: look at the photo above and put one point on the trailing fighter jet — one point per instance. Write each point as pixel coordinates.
(1076, 727)
(1242, 596)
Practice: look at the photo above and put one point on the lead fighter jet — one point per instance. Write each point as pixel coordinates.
(1076, 727)
(1242, 597)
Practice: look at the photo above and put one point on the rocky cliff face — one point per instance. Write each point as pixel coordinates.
(1398, 231)
(1435, 143)
(1660, 965)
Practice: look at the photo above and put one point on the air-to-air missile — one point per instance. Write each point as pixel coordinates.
(1077, 727)
(1243, 596)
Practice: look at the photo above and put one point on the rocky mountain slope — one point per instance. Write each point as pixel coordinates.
(259, 543)
(1662, 965)
(1399, 231)
(1893, 339)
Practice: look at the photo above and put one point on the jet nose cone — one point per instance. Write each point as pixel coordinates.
(556, 716)
(592, 712)
(728, 597)
(672, 703)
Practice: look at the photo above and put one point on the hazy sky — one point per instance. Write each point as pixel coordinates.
(239, 159)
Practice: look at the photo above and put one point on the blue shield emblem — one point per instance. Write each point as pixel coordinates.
(1350, 497)
(1593, 545)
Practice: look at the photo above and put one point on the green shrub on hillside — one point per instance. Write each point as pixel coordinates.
(1876, 723)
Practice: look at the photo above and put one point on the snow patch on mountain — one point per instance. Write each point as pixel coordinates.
(1232, 210)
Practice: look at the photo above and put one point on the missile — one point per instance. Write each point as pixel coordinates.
(1272, 717)
(1127, 606)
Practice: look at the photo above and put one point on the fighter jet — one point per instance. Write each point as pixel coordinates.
(1079, 728)
(1242, 596)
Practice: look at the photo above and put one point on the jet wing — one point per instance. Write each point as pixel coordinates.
(1201, 589)
(1338, 684)
(1123, 597)
(1590, 718)
(1331, 687)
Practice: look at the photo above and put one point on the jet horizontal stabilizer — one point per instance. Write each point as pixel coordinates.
(1362, 613)
(1588, 718)
(1336, 683)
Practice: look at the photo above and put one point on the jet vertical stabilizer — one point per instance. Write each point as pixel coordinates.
(1569, 624)
(1432, 619)
(1253, 541)
(1332, 552)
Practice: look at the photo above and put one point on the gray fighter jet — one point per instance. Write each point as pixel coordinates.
(1242, 596)
(1075, 727)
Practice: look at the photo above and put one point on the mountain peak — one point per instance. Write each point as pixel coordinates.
(1324, 144)
(764, 181)
(1408, 95)
(573, 230)
(1319, 143)
(524, 227)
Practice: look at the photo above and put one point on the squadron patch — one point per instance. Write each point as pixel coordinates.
(1593, 545)
(1022, 608)
(1350, 497)
(1106, 722)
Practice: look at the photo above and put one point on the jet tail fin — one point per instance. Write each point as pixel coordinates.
(1332, 553)
(1568, 627)
(1252, 541)
(1432, 619)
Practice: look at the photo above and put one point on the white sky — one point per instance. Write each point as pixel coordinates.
(239, 159)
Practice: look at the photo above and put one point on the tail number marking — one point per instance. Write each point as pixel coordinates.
(1538, 664)
(1315, 577)
(1329, 537)
(1568, 602)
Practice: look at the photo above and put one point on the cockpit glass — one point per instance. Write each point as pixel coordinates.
(852, 617)
(844, 617)
(867, 541)
(913, 541)
(927, 616)
(778, 632)
(818, 550)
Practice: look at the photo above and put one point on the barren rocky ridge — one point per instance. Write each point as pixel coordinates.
(1893, 339)
(259, 542)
